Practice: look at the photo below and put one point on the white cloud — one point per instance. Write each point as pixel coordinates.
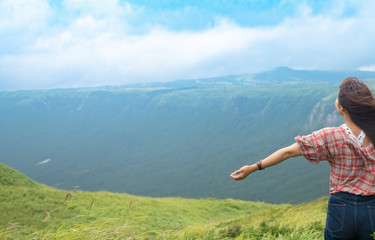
(23, 14)
(370, 68)
(98, 47)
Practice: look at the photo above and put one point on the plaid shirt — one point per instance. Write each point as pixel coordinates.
(352, 166)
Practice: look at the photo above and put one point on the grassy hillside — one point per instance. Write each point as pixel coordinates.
(11, 177)
(46, 213)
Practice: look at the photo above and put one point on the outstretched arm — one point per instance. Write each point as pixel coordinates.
(273, 159)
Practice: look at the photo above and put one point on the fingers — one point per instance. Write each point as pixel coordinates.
(236, 172)
(238, 178)
(237, 175)
(241, 173)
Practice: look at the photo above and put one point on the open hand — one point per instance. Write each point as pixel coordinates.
(241, 173)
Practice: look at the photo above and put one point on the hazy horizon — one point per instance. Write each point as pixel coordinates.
(49, 44)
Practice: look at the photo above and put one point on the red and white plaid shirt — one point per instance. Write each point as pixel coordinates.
(352, 166)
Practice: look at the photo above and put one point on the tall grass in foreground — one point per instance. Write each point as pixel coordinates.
(264, 231)
(104, 228)
(117, 228)
(45, 213)
(122, 228)
(136, 227)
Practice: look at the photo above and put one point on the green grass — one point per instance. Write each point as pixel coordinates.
(47, 213)
(29, 210)
(11, 177)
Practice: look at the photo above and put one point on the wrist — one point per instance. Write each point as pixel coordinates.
(253, 168)
(259, 165)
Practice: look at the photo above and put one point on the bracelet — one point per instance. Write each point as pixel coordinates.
(259, 164)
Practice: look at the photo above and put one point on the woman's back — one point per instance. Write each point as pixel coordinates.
(352, 163)
(350, 151)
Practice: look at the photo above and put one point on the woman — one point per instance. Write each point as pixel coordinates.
(350, 152)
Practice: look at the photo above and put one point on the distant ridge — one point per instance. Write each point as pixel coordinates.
(286, 74)
(11, 177)
(276, 76)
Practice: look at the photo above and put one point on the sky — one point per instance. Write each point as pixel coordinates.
(47, 44)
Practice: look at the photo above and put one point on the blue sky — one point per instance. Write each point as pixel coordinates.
(85, 43)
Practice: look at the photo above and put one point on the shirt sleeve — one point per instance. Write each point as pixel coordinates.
(314, 146)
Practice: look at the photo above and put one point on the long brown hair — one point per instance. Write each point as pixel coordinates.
(356, 98)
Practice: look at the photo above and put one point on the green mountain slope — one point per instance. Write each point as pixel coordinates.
(36, 213)
(173, 139)
(11, 177)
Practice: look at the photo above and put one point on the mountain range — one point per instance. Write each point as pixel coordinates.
(180, 138)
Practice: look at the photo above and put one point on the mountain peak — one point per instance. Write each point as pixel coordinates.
(282, 69)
